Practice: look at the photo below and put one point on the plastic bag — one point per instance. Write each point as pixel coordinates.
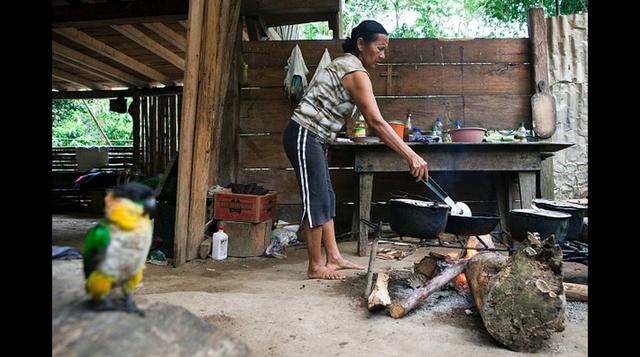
(281, 238)
(295, 82)
(324, 61)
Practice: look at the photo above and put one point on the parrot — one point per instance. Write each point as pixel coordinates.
(116, 248)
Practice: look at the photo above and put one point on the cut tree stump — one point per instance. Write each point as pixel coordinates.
(379, 298)
(521, 298)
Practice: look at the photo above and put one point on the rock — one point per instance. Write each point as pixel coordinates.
(167, 330)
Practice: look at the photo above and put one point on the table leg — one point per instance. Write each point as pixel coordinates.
(364, 209)
(527, 182)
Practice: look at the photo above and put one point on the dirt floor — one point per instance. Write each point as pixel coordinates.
(272, 306)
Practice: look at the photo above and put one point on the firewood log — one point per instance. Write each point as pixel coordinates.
(401, 308)
(576, 292)
(520, 298)
(379, 298)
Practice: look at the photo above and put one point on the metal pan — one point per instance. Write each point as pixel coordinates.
(471, 226)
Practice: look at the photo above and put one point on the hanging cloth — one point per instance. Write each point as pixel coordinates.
(324, 61)
(295, 81)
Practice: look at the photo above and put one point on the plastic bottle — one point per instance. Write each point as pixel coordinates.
(458, 124)
(521, 134)
(360, 128)
(408, 129)
(219, 244)
(434, 131)
(439, 124)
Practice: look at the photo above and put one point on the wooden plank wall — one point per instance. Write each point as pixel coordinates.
(63, 158)
(482, 82)
(158, 132)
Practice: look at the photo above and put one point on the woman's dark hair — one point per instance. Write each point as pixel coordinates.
(368, 30)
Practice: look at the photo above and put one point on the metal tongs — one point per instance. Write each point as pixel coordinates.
(457, 208)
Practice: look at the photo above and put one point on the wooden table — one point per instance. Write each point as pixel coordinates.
(523, 159)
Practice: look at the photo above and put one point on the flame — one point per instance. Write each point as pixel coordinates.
(461, 279)
(471, 243)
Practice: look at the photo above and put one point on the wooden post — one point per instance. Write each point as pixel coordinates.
(134, 111)
(153, 130)
(537, 26)
(364, 210)
(187, 126)
(145, 136)
(527, 183)
(173, 129)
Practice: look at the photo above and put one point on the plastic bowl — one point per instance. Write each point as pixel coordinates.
(398, 126)
(467, 135)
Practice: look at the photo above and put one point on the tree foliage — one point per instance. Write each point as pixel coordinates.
(445, 18)
(72, 124)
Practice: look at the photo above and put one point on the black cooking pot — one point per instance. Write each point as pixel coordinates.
(576, 211)
(544, 222)
(471, 226)
(419, 219)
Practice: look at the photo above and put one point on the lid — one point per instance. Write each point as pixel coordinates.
(558, 204)
(416, 129)
(419, 203)
(220, 228)
(438, 119)
(540, 212)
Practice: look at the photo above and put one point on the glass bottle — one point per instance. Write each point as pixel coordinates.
(408, 129)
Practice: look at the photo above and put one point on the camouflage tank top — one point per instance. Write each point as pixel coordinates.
(326, 104)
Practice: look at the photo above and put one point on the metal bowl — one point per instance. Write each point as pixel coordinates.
(544, 222)
(419, 219)
(575, 210)
(471, 226)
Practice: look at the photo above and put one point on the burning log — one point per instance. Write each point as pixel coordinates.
(401, 308)
(521, 298)
(379, 298)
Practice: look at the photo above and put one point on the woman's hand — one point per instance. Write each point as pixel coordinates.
(418, 168)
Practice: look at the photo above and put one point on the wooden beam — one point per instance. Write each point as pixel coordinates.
(123, 12)
(168, 34)
(537, 27)
(93, 63)
(335, 23)
(261, 7)
(116, 93)
(110, 52)
(147, 42)
(61, 87)
(292, 19)
(187, 127)
(184, 24)
(80, 67)
(69, 77)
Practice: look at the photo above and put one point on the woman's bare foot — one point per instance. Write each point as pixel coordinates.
(338, 264)
(321, 272)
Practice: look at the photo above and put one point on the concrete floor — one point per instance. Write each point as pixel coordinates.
(271, 306)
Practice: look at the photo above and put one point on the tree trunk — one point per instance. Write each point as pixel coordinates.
(521, 298)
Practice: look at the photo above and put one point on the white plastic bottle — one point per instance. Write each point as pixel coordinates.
(219, 244)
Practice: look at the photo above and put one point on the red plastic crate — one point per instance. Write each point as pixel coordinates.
(245, 208)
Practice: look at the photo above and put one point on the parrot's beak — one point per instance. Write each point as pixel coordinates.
(150, 206)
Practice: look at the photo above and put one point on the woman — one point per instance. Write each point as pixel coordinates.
(337, 94)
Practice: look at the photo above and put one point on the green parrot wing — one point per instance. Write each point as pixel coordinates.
(95, 246)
